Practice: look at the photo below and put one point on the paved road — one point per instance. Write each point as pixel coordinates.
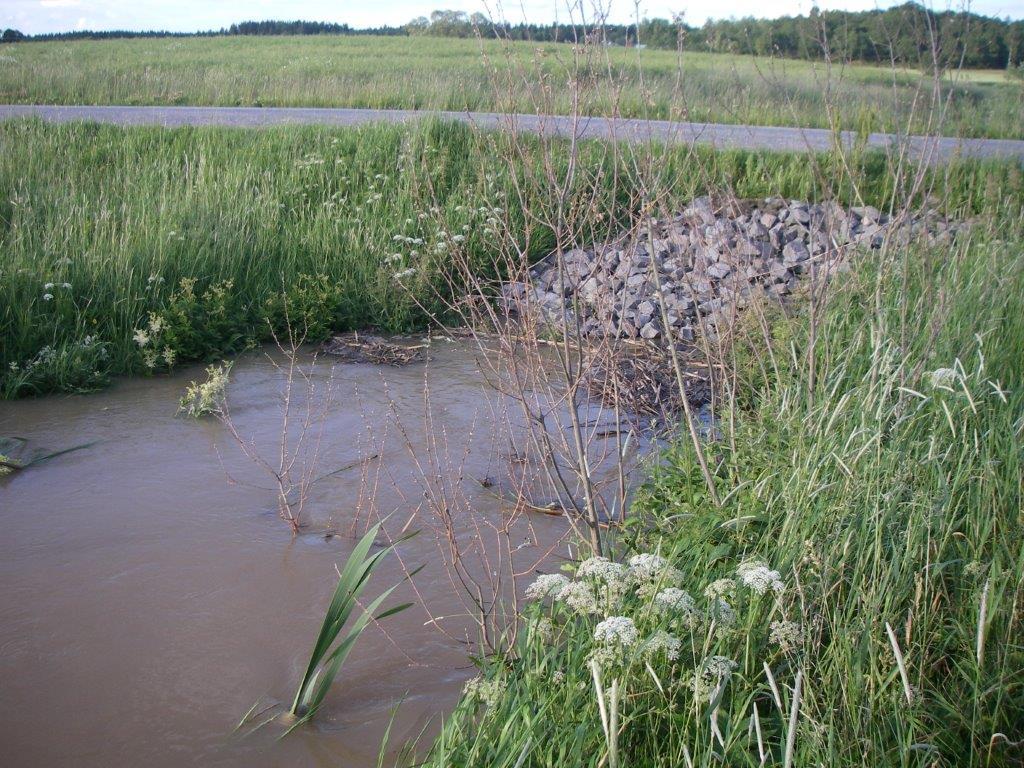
(934, 149)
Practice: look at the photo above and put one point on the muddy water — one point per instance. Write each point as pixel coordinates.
(149, 594)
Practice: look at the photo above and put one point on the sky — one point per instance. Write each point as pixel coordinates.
(38, 16)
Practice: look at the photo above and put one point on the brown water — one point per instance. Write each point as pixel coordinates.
(148, 600)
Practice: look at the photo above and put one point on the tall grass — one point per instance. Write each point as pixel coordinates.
(452, 74)
(100, 226)
(890, 504)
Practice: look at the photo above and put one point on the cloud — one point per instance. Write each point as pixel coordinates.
(60, 3)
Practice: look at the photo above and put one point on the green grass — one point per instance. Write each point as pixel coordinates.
(206, 239)
(891, 506)
(452, 74)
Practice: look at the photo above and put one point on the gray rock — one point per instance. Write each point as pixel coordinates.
(795, 251)
(650, 331)
(719, 270)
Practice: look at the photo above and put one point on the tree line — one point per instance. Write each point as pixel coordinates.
(908, 34)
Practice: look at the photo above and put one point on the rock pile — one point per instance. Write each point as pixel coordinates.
(710, 258)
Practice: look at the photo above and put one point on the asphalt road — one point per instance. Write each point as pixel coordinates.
(933, 149)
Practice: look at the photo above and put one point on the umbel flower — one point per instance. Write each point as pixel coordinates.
(580, 597)
(662, 642)
(487, 692)
(786, 634)
(601, 569)
(757, 576)
(611, 579)
(719, 588)
(650, 572)
(545, 585)
(679, 605)
(617, 632)
(712, 672)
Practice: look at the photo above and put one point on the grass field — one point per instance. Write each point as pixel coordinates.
(453, 74)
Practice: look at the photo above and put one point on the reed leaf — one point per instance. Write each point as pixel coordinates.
(330, 652)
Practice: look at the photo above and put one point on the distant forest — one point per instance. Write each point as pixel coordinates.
(907, 34)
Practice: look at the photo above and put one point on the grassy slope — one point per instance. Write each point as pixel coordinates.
(123, 215)
(883, 501)
(435, 73)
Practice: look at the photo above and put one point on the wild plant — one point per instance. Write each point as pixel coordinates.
(206, 398)
(306, 401)
(329, 653)
(333, 643)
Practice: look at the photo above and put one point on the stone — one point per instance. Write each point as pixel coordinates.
(719, 270)
(650, 331)
(710, 257)
(795, 251)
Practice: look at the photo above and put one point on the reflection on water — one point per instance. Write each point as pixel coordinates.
(151, 595)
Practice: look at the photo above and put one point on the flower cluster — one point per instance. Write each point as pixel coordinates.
(405, 274)
(712, 673)
(662, 642)
(484, 691)
(617, 631)
(679, 605)
(611, 580)
(758, 577)
(546, 585)
(148, 339)
(720, 588)
(208, 397)
(786, 634)
(49, 288)
(580, 597)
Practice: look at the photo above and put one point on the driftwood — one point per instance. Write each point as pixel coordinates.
(358, 347)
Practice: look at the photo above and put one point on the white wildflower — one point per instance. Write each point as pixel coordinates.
(486, 692)
(723, 613)
(713, 672)
(48, 287)
(404, 274)
(786, 634)
(545, 585)
(66, 286)
(680, 604)
(140, 337)
(719, 588)
(647, 566)
(47, 297)
(758, 577)
(617, 632)
(207, 397)
(662, 641)
(601, 569)
(156, 324)
(650, 572)
(558, 677)
(579, 597)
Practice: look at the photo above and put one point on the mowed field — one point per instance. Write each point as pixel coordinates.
(452, 74)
